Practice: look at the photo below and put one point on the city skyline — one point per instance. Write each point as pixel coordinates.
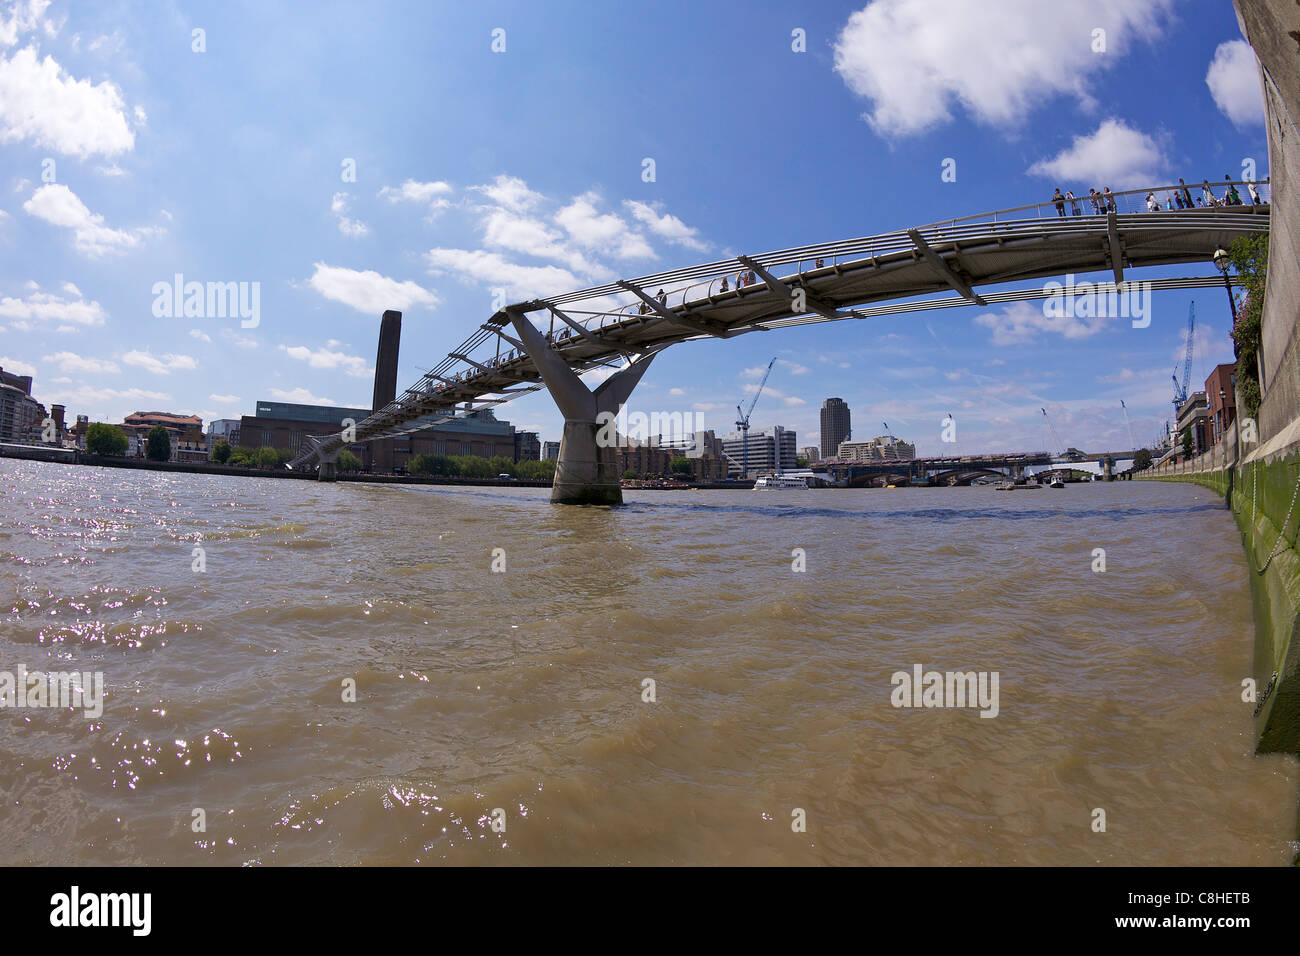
(326, 215)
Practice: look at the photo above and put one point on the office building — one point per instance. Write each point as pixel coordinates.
(528, 446)
(550, 451)
(762, 454)
(880, 448)
(836, 426)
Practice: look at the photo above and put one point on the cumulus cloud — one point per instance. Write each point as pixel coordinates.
(368, 291)
(224, 399)
(592, 229)
(201, 336)
(107, 404)
(1233, 79)
(330, 357)
(60, 206)
(492, 269)
(70, 363)
(1022, 322)
(159, 364)
(1114, 155)
(522, 221)
(43, 105)
(429, 194)
(510, 192)
(47, 307)
(352, 228)
(300, 396)
(915, 60)
(16, 366)
(666, 226)
(22, 17)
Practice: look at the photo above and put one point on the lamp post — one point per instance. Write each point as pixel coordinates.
(1221, 262)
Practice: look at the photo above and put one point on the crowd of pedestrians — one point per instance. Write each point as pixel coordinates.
(1103, 201)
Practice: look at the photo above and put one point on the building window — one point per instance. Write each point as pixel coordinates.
(465, 448)
(440, 448)
(295, 440)
(266, 438)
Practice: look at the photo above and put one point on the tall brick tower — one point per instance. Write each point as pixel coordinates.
(390, 337)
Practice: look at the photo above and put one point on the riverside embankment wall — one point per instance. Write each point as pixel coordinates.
(1260, 479)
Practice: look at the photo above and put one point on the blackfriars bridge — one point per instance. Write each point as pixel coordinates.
(623, 325)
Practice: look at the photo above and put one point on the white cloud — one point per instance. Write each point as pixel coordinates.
(368, 291)
(490, 268)
(159, 364)
(914, 60)
(510, 192)
(300, 396)
(201, 336)
(1021, 322)
(794, 368)
(1233, 79)
(44, 306)
(676, 391)
(107, 404)
(430, 194)
(328, 358)
(60, 206)
(70, 363)
(16, 366)
(352, 228)
(1115, 155)
(224, 399)
(666, 226)
(592, 229)
(22, 17)
(43, 105)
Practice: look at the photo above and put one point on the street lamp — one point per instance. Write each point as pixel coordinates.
(1221, 262)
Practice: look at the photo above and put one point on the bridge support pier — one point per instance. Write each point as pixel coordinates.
(587, 471)
(328, 469)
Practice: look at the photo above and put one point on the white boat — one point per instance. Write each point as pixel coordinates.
(1056, 482)
(780, 481)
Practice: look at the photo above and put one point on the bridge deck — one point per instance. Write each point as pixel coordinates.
(826, 282)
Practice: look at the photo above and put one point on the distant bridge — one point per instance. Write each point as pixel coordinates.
(622, 325)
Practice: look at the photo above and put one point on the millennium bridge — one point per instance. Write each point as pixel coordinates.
(549, 342)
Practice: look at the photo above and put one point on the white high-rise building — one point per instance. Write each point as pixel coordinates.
(763, 443)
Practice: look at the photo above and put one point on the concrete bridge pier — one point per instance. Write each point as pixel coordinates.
(328, 470)
(587, 471)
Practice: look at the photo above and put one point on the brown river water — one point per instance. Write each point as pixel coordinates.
(522, 690)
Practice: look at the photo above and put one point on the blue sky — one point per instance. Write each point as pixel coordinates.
(127, 156)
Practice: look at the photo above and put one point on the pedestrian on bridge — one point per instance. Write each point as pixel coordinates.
(1254, 194)
(1187, 196)
(1110, 200)
(1074, 203)
(1094, 197)
(1059, 200)
(1207, 193)
(1153, 204)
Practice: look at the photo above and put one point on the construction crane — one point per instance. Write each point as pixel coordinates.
(1132, 441)
(1180, 391)
(743, 424)
(1055, 439)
